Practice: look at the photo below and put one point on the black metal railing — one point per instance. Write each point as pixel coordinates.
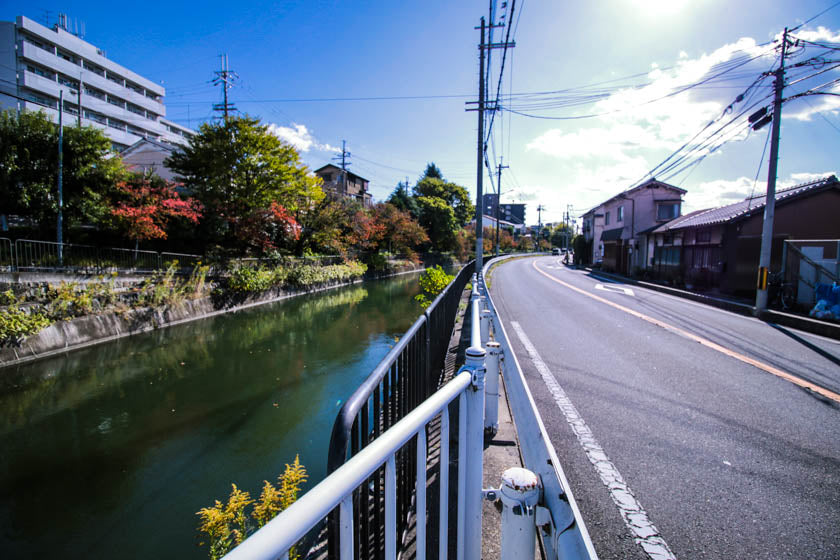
(26, 255)
(407, 376)
(7, 260)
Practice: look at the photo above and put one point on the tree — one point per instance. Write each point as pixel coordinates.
(401, 198)
(29, 171)
(324, 225)
(265, 230)
(402, 233)
(147, 206)
(454, 196)
(439, 221)
(432, 172)
(236, 168)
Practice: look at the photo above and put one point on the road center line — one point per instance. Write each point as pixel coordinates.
(634, 516)
(704, 341)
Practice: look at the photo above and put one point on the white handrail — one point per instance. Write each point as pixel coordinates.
(569, 537)
(286, 529)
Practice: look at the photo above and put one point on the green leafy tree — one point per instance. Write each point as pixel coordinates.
(438, 219)
(238, 167)
(453, 195)
(401, 198)
(29, 171)
(432, 172)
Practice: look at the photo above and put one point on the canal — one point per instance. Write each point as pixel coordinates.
(109, 451)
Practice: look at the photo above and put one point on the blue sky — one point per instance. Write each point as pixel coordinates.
(303, 66)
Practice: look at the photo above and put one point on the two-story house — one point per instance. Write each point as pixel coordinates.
(344, 183)
(619, 228)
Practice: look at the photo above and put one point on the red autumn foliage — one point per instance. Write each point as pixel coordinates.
(266, 228)
(147, 207)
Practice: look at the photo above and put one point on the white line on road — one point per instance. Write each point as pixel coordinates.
(615, 289)
(635, 517)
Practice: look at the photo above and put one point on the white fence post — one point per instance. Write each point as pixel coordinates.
(486, 317)
(474, 453)
(520, 494)
(491, 391)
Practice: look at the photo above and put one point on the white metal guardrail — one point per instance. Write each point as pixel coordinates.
(566, 535)
(537, 496)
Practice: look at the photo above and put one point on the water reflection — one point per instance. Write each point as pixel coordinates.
(109, 451)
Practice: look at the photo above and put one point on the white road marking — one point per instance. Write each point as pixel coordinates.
(635, 517)
(615, 289)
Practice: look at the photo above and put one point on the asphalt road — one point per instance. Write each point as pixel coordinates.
(689, 432)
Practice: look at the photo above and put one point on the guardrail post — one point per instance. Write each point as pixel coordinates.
(486, 317)
(520, 493)
(491, 392)
(474, 453)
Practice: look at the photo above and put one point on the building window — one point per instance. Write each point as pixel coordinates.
(114, 123)
(66, 56)
(607, 219)
(65, 81)
(619, 214)
(116, 101)
(115, 79)
(93, 68)
(667, 211)
(47, 47)
(95, 93)
(703, 236)
(40, 99)
(95, 117)
(41, 72)
(134, 88)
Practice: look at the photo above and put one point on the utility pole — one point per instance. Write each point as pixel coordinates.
(344, 163)
(770, 205)
(224, 77)
(79, 102)
(499, 201)
(479, 180)
(59, 227)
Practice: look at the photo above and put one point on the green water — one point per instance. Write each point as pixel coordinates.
(109, 451)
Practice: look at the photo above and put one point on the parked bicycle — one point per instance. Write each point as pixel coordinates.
(780, 294)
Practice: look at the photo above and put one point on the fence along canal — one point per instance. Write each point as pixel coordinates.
(368, 497)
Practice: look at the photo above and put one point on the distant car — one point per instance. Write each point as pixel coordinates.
(555, 251)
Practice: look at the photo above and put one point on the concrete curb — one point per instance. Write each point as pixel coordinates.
(806, 324)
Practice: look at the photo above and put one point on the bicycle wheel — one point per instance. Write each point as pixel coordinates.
(786, 297)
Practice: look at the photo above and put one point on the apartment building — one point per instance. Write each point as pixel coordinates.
(36, 63)
(514, 213)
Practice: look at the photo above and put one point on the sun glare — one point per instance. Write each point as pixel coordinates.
(654, 8)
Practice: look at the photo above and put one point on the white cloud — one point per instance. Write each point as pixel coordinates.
(599, 157)
(820, 34)
(807, 107)
(299, 136)
(651, 117)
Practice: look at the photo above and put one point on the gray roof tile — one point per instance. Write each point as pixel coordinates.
(730, 212)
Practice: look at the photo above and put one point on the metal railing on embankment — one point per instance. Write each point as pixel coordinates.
(373, 489)
(406, 377)
(27, 255)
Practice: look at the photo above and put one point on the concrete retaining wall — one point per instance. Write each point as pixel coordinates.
(80, 332)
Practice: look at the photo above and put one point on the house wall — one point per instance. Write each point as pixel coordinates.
(149, 159)
(807, 217)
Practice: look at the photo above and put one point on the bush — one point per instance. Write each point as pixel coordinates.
(433, 281)
(16, 324)
(227, 525)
